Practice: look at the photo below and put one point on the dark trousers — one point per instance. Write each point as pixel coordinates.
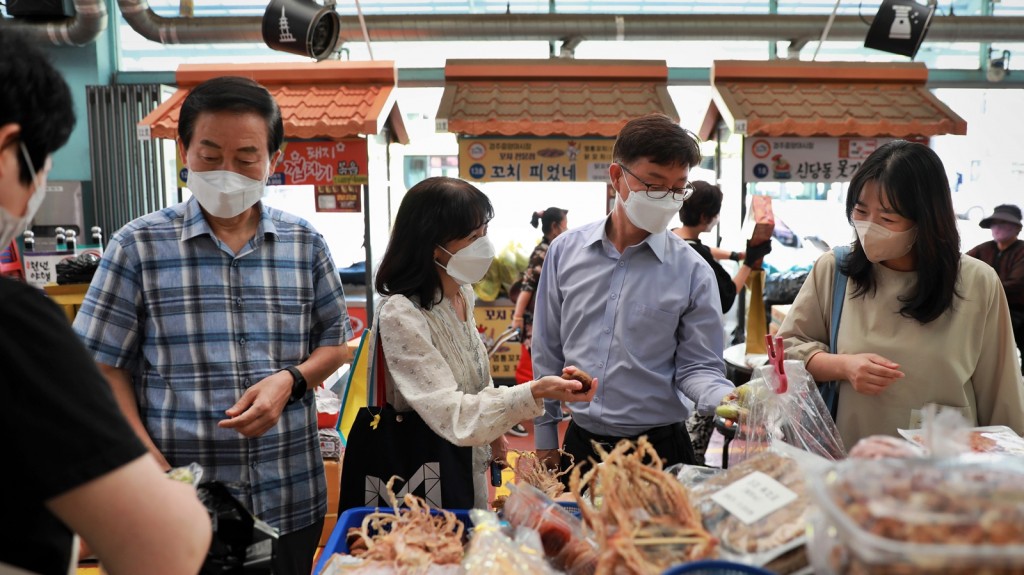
(295, 550)
(671, 442)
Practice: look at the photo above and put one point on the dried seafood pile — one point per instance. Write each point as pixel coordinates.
(408, 539)
(645, 522)
(530, 470)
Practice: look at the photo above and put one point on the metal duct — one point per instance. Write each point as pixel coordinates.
(549, 27)
(89, 21)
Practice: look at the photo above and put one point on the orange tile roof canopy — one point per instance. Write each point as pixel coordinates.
(555, 97)
(332, 100)
(831, 99)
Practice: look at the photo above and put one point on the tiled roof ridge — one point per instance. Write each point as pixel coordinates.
(796, 71)
(294, 73)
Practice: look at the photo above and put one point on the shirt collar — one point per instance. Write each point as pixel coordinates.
(656, 242)
(196, 225)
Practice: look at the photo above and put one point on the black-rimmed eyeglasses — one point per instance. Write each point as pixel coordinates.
(658, 192)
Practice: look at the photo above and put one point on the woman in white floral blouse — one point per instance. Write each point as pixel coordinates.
(436, 363)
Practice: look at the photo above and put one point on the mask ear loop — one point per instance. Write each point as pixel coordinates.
(28, 161)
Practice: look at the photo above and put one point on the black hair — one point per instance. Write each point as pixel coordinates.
(913, 181)
(433, 213)
(659, 139)
(231, 94)
(34, 95)
(705, 203)
(547, 218)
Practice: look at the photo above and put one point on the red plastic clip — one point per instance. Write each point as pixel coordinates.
(776, 355)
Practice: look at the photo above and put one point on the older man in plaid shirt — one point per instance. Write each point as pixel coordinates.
(214, 318)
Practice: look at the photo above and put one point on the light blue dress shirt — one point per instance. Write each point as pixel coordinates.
(647, 323)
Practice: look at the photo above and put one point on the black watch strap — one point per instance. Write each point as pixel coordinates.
(299, 385)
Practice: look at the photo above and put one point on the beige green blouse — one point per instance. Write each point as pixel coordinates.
(437, 366)
(965, 359)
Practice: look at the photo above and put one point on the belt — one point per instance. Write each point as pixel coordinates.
(653, 434)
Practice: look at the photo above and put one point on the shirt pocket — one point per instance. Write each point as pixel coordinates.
(289, 332)
(650, 333)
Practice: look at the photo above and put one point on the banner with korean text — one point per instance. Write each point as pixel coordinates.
(805, 159)
(315, 163)
(535, 159)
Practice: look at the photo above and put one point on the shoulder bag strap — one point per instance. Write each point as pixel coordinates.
(830, 389)
(838, 294)
(376, 392)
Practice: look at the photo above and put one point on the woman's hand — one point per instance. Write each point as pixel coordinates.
(870, 373)
(499, 451)
(555, 387)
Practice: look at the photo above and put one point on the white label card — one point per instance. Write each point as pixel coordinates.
(754, 497)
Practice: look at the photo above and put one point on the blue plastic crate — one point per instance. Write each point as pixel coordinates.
(715, 568)
(354, 518)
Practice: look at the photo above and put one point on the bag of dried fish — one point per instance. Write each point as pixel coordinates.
(957, 516)
(756, 509)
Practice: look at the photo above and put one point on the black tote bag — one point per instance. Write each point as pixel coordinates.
(383, 443)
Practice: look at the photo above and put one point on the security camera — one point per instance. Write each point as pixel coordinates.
(301, 27)
(998, 67)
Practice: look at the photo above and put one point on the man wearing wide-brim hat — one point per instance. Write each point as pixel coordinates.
(1005, 253)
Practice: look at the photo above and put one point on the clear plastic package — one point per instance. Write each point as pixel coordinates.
(957, 516)
(757, 510)
(492, 551)
(564, 542)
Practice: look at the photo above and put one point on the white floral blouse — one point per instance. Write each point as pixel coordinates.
(437, 366)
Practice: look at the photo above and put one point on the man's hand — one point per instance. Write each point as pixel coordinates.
(870, 373)
(260, 406)
(551, 458)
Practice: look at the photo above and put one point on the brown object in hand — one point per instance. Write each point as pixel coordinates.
(580, 376)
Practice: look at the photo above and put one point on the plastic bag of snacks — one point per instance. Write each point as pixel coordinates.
(957, 516)
(562, 537)
(492, 551)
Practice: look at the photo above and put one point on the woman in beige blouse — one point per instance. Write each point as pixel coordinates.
(436, 363)
(921, 323)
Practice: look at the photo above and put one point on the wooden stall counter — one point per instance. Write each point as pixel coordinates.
(68, 296)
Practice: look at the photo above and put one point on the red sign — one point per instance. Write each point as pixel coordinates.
(322, 163)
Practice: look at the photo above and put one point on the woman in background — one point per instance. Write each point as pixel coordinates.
(435, 362)
(921, 323)
(553, 221)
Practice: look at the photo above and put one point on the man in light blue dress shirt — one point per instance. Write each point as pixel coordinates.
(633, 305)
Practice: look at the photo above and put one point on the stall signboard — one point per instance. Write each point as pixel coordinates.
(535, 159)
(768, 159)
(492, 320)
(41, 267)
(338, 198)
(308, 163)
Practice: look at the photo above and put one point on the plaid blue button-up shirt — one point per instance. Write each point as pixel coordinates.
(196, 325)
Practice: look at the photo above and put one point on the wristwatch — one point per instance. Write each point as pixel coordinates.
(299, 385)
(734, 256)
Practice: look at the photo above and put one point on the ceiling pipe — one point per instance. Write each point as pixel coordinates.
(553, 27)
(89, 21)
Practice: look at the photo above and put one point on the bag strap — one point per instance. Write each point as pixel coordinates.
(838, 294)
(376, 382)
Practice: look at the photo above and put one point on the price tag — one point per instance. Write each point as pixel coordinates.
(754, 497)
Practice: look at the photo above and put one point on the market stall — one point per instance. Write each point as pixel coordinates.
(339, 120)
(796, 132)
(542, 122)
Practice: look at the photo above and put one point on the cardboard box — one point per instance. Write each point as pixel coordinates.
(778, 314)
(332, 469)
(329, 522)
(763, 218)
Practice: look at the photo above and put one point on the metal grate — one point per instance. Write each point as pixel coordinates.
(127, 174)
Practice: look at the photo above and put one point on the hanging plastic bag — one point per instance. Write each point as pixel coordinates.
(492, 551)
(793, 413)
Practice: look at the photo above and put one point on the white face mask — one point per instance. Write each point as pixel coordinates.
(225, 194)
(647, 213)
(470, 264)
(881, 244)
(11, 225)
